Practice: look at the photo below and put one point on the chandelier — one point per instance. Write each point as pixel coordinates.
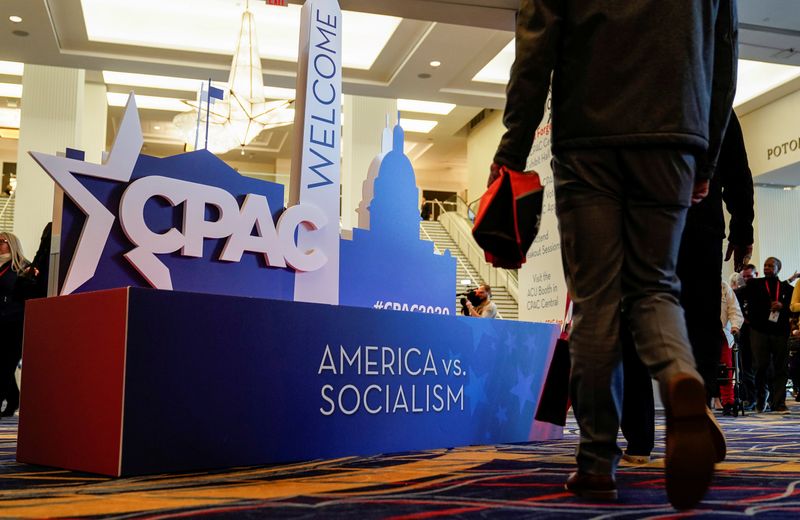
(244, 112)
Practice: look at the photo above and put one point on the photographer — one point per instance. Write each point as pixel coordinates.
(485, 307)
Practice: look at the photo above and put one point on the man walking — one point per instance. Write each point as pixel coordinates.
(768, 303)
(641, 95)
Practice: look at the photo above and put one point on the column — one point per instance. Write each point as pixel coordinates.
(50, 121)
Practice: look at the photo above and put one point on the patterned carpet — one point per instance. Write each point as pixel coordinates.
(758, 479)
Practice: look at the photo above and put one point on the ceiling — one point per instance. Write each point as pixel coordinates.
(464, 35)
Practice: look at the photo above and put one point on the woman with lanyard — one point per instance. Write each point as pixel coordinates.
(12, 263)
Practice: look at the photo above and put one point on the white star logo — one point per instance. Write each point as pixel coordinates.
(118, 166)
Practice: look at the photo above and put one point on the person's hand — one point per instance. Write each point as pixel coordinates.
(735, 331)
(700, 190)
(794, 277)
(776, 306)
(741, 255)
(494, 174)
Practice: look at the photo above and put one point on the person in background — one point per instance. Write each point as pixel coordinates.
(794, 306)
(768, 301)
(700, 258)
(748, 377)
(12, 264)
(732, 320)
(487, 308)
(32, 283)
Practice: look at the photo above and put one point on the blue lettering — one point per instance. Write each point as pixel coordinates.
(315, 169)
(321, 45)
(316, 94)
(324, 141)
(330, 121)
(327, 21)
(331, 63)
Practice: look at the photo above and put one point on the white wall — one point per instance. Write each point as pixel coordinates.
(778, 226)
(481, 145)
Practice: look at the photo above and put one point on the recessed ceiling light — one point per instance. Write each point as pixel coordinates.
(757, 77)
(422, 126)
(497, 70)
(20, 33)
(423, 75)
(11, 68)
(118, 99)
(436, 63)
(14, 18)
(10, 90)
(156, 127)
(426, 107)
(9, 117)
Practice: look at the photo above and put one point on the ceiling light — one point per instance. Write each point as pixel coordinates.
(787, 188)
(755, 78)
(426, 107)
(10, 90)
(9, 117)
(14, 18)
(244, 112)
(150, 81)
(184, 84)
(206, 26)
(421, 126)
(11, 68)
(117, 99)
(156, 127)
(435, 63)
(498, 69)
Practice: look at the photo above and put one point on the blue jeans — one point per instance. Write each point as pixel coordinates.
(621, 213)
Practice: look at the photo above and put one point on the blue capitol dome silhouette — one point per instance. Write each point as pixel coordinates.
(388, 263)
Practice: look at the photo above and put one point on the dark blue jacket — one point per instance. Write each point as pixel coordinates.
(624, 73)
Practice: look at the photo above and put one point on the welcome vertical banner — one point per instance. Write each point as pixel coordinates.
(316, 165)
(542, 289)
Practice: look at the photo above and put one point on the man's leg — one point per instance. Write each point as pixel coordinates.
(700, 270)
(588, 193)
(780, 359)
(659, 184)
(759, 344)
(638, 407)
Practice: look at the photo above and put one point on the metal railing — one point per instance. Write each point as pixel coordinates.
(457, 224)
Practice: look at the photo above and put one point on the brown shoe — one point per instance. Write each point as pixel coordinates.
(691, 450)
(586, 485)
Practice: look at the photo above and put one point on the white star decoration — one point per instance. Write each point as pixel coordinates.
(99, 220)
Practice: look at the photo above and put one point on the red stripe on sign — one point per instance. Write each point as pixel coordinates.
(284, 3)
(71, 410)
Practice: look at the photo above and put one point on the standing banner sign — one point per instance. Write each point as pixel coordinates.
(316, 165)
(542, 289)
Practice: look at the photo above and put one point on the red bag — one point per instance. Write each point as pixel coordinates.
(508, 217)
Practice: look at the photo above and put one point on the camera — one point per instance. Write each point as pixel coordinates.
(473, 298)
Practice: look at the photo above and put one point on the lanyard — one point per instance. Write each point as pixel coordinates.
(5, 270)
(777, 290)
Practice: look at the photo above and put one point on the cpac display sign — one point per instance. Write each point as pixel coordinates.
(172, 207)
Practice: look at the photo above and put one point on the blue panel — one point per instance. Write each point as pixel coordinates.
(388, 266)
(250, 277)
(215, 381)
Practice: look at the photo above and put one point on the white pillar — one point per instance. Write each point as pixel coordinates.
(95, 116)
(50, 121)
(364, 121)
